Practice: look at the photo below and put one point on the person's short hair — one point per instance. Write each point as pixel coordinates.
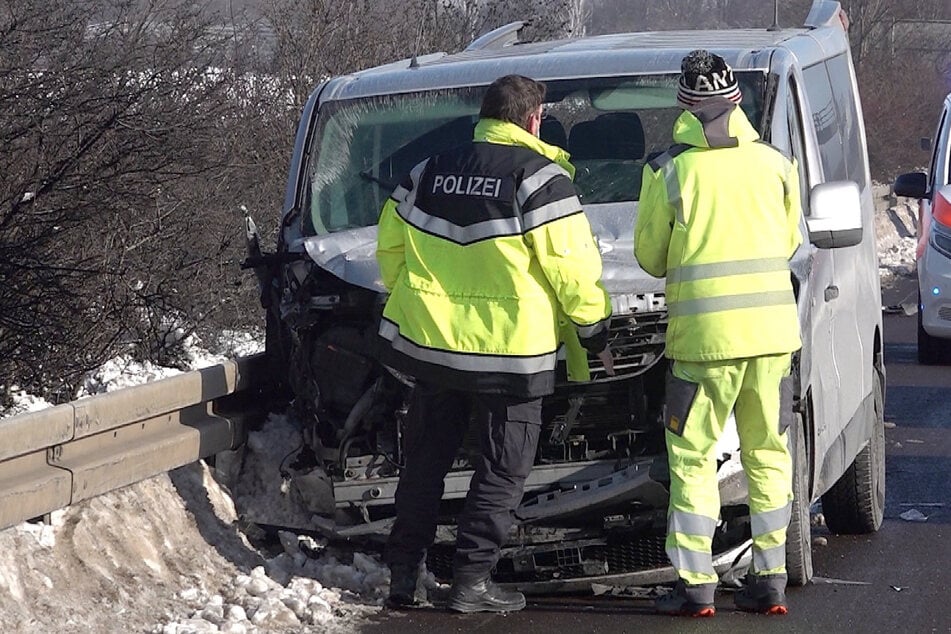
(512, 98)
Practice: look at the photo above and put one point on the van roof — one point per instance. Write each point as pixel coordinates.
(651, 52)
(731, 40)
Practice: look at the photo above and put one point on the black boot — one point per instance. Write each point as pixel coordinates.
(765, 594)
(481, 594)
(406, 587)
(688, 600)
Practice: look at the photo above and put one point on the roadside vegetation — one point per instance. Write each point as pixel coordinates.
(134, 136)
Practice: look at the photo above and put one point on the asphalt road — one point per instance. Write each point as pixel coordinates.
(897, 580)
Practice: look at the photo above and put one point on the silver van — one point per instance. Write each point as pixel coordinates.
(933, 189)
(595, 504)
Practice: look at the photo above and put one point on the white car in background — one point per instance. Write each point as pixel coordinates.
(934, 245)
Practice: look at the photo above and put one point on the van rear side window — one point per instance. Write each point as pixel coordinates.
(836, 120)
(825, 120)
(847, 110)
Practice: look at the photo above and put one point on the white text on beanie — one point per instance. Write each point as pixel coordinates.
(704, 74)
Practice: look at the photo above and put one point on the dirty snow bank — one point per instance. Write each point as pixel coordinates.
(166, 555)
(125, 370)
(896, 228)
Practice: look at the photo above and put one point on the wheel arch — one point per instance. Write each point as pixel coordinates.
(809, 431)
(878, 358)
(804, 406)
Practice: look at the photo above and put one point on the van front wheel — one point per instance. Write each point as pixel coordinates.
(799, 533)
(855, 505)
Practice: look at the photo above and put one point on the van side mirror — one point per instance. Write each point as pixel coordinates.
(912, 185)
(835, 218)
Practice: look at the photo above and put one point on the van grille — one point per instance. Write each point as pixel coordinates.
(638, 554)
(637, 344)
(944, 313)
(564, 561)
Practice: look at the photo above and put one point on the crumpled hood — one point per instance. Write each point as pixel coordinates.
(714, 123)
(351, 254)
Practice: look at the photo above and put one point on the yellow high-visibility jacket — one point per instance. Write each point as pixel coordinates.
(486, 252)
(719, 216)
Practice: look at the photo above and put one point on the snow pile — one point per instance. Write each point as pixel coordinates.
(167, 555)
(308, 586)
(292, 592)
(124, 371)
(260, 493)
(23, 402)
(896, 228)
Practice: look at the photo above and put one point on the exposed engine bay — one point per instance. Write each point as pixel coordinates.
(595, 502)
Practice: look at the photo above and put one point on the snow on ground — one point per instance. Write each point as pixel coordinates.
(167, 555)
(896, 227)
(124, 371)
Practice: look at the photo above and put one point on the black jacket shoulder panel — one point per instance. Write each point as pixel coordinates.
(668, 155)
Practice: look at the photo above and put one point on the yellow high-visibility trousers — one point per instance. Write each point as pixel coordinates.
(700, 397)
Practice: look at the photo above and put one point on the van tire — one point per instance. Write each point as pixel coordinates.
(931, 350)
(799, 533)
(855, 505)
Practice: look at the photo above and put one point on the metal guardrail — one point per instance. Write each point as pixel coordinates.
(61, 455)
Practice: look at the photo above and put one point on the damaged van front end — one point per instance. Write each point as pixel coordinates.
(594, 509)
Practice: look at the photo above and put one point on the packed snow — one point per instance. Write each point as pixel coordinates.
(169, 555)
(896, 227)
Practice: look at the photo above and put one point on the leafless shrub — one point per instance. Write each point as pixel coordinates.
(106, 132)
(901, 98)
(613, 16)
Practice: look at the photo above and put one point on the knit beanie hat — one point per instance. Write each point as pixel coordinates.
(704, 74)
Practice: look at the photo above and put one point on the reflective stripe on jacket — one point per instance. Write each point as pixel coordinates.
(485, 250)
(719, 217)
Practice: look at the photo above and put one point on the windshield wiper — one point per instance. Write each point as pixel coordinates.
(385, 185)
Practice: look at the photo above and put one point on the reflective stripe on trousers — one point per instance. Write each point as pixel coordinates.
(769, 538)
(751, 389)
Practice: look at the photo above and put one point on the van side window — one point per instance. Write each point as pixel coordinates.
(847, 110)
(825, 120)
(797, 145)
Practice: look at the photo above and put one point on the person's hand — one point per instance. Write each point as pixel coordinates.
(605, 357)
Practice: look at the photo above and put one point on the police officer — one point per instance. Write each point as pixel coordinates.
(719, 217)
(488, 257)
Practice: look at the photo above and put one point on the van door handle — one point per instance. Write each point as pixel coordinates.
(832, 292)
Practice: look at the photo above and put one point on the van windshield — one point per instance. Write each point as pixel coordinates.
(612, 126)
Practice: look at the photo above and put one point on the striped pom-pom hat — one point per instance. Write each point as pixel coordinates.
(704, 74)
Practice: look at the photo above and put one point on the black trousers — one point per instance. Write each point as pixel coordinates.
(437, 422)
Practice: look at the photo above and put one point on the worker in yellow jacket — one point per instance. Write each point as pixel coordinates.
(719, 216)
(488, 256)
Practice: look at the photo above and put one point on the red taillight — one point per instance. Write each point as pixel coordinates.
(941, 206)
